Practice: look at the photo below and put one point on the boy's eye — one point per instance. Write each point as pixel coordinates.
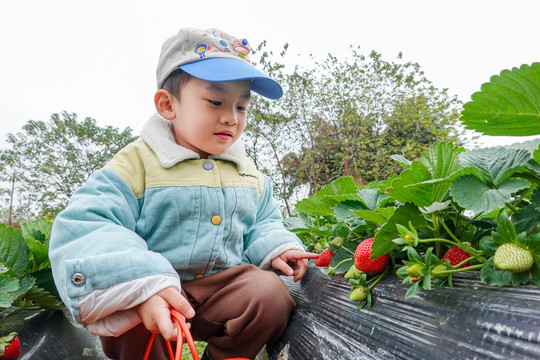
(215, 103)
(242, 108)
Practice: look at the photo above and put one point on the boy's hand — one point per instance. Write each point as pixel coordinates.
(292, 262)
(155, 313)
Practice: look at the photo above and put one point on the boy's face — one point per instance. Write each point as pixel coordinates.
(210, 116)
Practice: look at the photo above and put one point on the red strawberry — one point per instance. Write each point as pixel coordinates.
(455, 255)
(325, 258)
(13, 348)
(364, 263)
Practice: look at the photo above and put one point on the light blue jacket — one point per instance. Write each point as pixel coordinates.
(157, 208)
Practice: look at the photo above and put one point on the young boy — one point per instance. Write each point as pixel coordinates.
(181, 219)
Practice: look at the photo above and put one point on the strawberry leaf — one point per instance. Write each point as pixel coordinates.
(413, 289)
(507, 105)
(374, 199)
(13, 250)
(379, 216)
(43, 298)
(8, 285)
(497, 164)
(428, 179)
(488, 245)
(403, 215)
(535, 272)
(493, 276)
(520, 278)
(471, 193)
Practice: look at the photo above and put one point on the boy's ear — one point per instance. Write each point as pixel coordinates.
(163, 102)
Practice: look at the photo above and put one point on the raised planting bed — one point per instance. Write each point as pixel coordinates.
(469, 321)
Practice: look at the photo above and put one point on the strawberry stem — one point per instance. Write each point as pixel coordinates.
(377, 279)
(453, 271)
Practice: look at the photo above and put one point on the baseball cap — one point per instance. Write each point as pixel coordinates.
(213, 55)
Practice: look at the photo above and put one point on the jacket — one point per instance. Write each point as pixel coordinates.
(157, 215)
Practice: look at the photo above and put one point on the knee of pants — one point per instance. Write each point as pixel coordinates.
(270, 293)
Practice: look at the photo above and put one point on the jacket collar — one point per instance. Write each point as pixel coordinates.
(158, 135)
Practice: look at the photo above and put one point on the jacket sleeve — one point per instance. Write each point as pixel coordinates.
(268, 235)
(94, 245)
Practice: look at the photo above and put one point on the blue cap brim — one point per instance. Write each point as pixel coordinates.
(224, 69)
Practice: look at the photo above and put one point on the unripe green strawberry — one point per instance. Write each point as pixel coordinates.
(337, 242)
(353, 273)
(358, 294)
(436, 269)
(414, 270)
(318, 248)
(513, 258)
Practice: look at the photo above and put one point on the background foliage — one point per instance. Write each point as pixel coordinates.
(346, 117)
(48, 160)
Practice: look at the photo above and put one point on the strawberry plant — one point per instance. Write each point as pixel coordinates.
(451, 210)
(25, 275)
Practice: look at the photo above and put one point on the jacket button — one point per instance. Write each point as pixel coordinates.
(78, 279)
(208, 165)
(216, 220)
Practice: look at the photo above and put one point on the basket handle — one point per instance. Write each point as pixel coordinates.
(183, 331)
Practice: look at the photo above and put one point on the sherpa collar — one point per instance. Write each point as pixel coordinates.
(158, 135)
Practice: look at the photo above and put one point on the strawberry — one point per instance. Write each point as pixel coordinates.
(364, 263)
(435, 272)
(10, 347)
(414, 271)
(353, 273)
(324, 258)
(358, 294)
(455, 255)
(513, 258)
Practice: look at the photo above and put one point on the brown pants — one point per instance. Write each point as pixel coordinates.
(238, 311)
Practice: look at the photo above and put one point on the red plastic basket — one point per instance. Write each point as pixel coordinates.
(183, 332)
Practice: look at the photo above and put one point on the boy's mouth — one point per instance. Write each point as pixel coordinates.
(224, 135)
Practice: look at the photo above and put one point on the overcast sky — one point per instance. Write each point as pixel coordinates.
(97, 58)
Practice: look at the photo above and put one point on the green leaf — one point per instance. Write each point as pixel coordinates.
(341, 186)
(505, 227)
(372, 198)
(413, 289)
(488, 245)
(520, 278)
(8, 285)
(379, 216)
(388, 232)
(497, 163)
(343, 210)
(507, 105)
(472, 194)
(13, 250)
(535, 272)
(294, 223)
(429, 178)
(26, 284)
(493, 276)
(401, 160)
(314, 206)
(42, 298)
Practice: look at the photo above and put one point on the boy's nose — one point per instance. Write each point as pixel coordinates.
(229, 118)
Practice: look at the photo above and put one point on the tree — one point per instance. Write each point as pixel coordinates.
(47, 161)
(346, 118)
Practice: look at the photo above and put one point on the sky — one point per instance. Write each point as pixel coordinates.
(97, 58)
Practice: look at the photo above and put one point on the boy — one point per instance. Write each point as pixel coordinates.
(181, 219)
